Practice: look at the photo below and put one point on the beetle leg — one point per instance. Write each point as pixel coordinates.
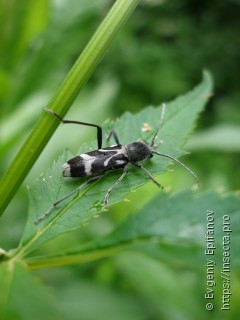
(139, 165)
(125, 171)
(47, 213)
(115, 136)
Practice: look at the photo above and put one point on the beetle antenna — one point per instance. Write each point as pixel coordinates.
(179, 162)
(159, 125)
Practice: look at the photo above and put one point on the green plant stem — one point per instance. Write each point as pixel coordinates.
(47, 262)
(61, 102)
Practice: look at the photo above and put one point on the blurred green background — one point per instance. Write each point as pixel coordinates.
(159, 54)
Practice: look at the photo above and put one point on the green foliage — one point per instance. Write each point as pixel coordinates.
(175, 227)
(144, 258)
(63, 99)
(168, 230)
(21, 288)
(82, 207)
(159, 230)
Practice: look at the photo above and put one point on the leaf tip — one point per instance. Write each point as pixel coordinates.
(208, 79)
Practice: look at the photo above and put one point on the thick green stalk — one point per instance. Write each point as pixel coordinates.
(61, 102)
(49, 262)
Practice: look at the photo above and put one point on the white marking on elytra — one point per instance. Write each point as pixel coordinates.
(109, 150)
(66, 168)
(86, 157)
(88, 160)
(122, 150)
(120, 161)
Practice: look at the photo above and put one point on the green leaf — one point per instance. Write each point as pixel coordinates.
(21, 295)
(225, 138)
(178, 122)
(172, 229)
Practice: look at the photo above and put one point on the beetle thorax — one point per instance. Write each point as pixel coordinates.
(138, 151)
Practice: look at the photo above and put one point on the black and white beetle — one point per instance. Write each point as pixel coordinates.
(95, 163)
